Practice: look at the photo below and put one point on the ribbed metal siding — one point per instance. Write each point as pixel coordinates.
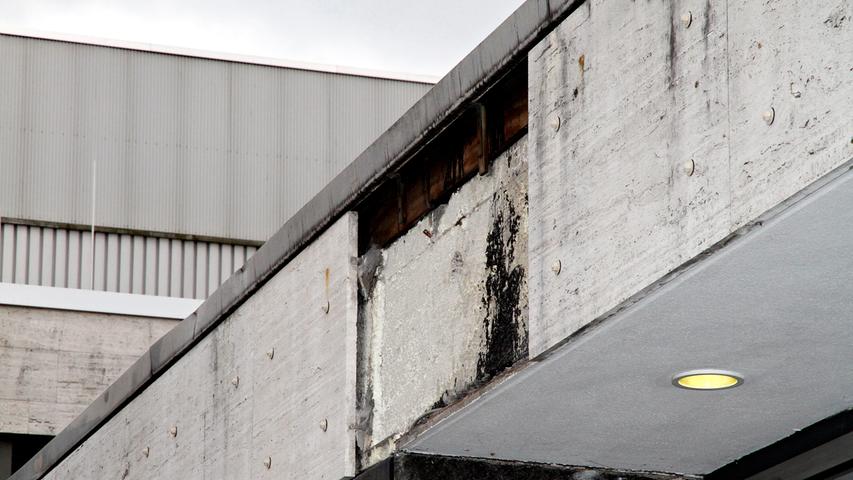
(60, 257)
(183, 145)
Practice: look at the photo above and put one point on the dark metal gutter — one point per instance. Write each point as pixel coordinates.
(418, 466)
(448, 99)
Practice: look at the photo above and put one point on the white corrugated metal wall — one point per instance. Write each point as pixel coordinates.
(59, 257)
(182, 144)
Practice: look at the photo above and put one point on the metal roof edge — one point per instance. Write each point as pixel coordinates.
(218, 56)
(505, 46)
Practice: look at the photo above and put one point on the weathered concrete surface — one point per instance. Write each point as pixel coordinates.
(275, 380)
(641, 90)
(445, 306)
(794, 57)
(54, 363)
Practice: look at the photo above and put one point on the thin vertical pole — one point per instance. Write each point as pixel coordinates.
(94, 189)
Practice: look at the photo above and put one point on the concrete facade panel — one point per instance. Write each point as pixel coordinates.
(275, 380)
(792, 58)
(645, 149)
(53, 364)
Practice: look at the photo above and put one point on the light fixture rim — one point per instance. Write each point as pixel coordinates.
(707, 371)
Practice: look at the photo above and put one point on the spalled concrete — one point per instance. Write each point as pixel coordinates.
(55, 363)
(445, 306)
(648, 139)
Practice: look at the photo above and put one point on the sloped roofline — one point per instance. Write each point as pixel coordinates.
(220, 56)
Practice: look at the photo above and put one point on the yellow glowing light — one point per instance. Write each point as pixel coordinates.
(707, 380)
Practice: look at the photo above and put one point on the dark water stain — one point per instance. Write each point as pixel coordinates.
(505, 328)
(671, 53)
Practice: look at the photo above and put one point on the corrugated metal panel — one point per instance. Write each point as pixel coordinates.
(183, 145)
(58, 257)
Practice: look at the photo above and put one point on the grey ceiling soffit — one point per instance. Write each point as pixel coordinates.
(503, 48)
(772, 303)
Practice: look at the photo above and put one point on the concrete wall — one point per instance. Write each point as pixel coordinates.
(445, 306)
(53, 363)
(648, 141)
(275, 381)
(441, 312)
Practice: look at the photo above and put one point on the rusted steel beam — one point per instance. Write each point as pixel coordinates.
(467, 147)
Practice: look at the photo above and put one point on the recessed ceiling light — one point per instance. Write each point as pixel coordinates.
(707, 379)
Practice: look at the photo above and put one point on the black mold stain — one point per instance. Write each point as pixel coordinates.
(505, 329)
(836, 19)
(672, 47)
(447, 398)
(457, 262)
(439, 404)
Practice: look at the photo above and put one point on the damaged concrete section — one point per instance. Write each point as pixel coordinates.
(444, 308)
(504, 325)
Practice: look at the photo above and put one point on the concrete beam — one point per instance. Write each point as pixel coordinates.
(647, 148)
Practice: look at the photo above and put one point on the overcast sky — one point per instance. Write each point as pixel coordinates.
(412, 36)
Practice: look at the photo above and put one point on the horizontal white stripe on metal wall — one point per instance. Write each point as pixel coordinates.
(126, 263)
(98, 302)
